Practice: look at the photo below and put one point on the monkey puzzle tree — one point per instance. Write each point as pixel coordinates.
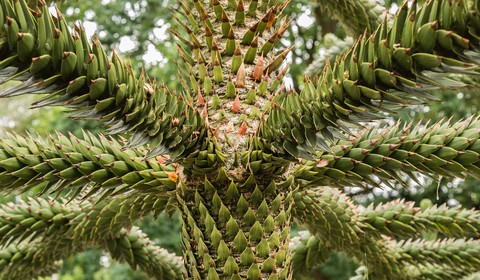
(233, 151)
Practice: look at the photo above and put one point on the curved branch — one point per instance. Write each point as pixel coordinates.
(420, 271)
(43, 232)
(68, 163)
(428, 264)
(43, 55)
(401, 219)
(28, 260)
(331, 216)
(435, 271)
(337, 224)
(39, 218)
(308, 252)
(335, 214)
(134, 248)
(384, 155)
(460, 253)
(395, 67)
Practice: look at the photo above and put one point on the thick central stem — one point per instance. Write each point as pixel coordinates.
(236, 227)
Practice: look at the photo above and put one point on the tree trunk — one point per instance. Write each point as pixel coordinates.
(236, 226)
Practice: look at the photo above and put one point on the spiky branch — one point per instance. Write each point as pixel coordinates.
(401, 219)
(98, 164)
(339, 225)
(30, 260)
(134, 248)
(56, 230)
(334, 220)
(39, 218)
(394, 67)
(41, 258)
(397, 219)
(308, 250)
(386, 154)
(454, 252)
(41, 52)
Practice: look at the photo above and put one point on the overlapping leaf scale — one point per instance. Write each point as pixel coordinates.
(228, 48)
(261, 160)
(384, 155)
(23, 221)
(395, 67)
(236, 229)
(434, 271)
(40, 55)
(108, 217)
(329, 213)
(205, 160)
(425, 272)
(95, 165)
(307, 253)
(397, 219)
(231, 65)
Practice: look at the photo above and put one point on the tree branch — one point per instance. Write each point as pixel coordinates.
(337, 224)
(42, 233)
(383, 155)
(334, 220)
(394, 67)
(460, 253)
(98, 165)
(28, 260)
(43, 55)
(39, 218)
(401, 219)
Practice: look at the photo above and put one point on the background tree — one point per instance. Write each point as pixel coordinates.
(294, 151)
